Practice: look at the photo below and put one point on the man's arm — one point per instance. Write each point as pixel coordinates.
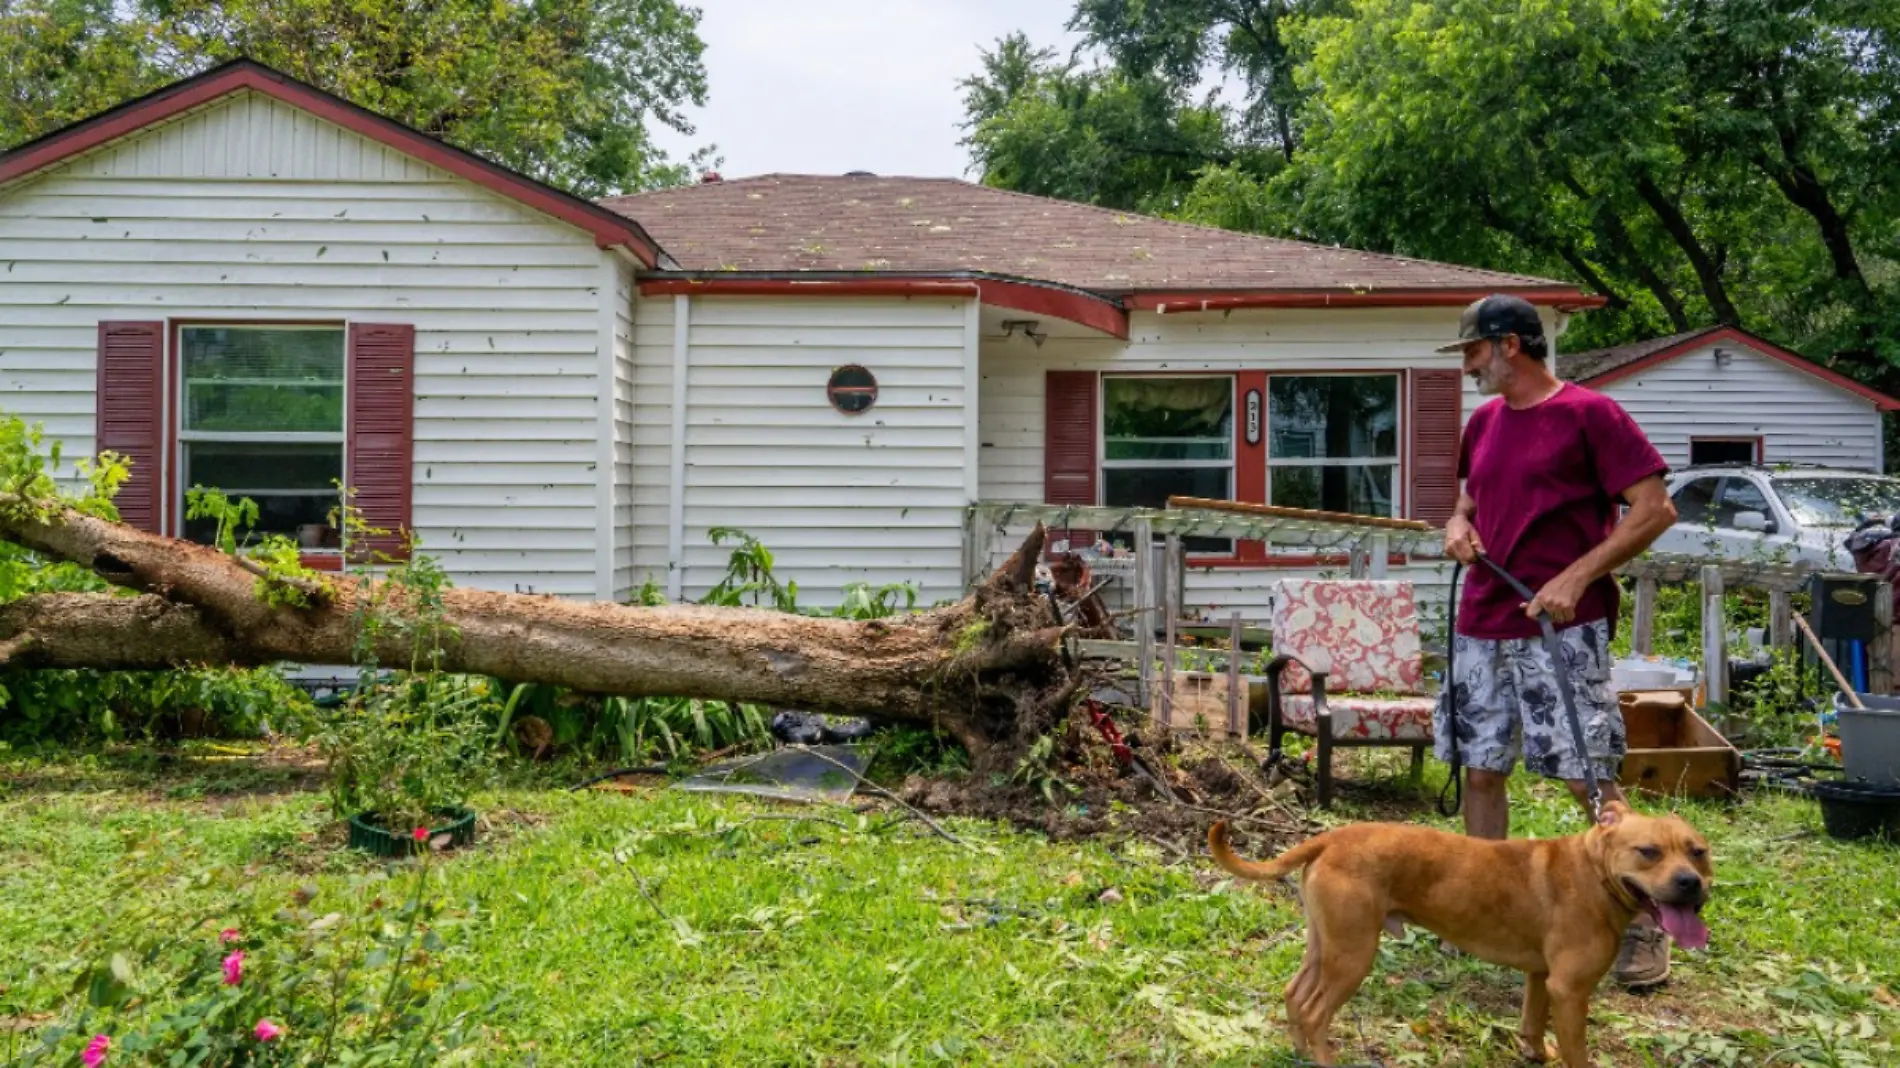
(1461, 540)
(1650, 513)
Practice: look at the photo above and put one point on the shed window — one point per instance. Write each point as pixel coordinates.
(1724, 451)
(1333, 442)
(262, 416)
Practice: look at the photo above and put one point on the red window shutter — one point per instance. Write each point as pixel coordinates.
(381, 433)
(131, 415)
(1437, 420)
(1068, 445)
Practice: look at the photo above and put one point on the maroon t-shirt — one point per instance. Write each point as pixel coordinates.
(1546, 481)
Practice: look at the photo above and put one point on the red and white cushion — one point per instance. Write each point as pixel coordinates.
(1362, 632)
(1382, 718)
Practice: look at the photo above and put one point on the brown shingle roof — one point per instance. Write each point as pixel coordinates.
(786, 223)
(1583, 366)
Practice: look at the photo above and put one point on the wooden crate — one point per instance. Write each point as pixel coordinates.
(1200, 702)
(1673, 751)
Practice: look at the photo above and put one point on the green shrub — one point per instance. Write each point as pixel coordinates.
(346, 980)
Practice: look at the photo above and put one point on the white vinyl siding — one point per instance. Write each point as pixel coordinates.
(248, 209)
(1800, 418)
(876, 497)
(625, 302)
(1285, 341)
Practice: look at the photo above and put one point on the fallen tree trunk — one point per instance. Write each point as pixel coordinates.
(987, 669)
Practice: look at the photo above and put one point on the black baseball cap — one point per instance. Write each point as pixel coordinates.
(1495, 316)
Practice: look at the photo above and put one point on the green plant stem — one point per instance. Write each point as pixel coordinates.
(402, 951)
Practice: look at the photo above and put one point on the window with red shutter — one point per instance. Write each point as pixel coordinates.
(261, 418)
(381, 433)
(1068, 445)
(1437, 420)
(131, 415)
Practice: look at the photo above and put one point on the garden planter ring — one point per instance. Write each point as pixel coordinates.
(460, 827)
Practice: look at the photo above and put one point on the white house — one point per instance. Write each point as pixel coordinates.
(243, 281)
(1723, 395)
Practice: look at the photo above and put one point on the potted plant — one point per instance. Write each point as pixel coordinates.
(406, 753)
(409, 747)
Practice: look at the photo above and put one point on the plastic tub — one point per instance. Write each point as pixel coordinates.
(1852, 811)
(1870, 739)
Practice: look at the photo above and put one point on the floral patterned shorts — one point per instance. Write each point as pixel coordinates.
(1508, 703)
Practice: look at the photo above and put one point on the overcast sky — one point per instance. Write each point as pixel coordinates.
(828, 86)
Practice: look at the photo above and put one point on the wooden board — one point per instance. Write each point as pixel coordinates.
(1200, 702)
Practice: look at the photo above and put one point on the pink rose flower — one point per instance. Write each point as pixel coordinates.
(422, 834)
(267, 1031)
(95, 1054)
(234, 968)
(229, 935)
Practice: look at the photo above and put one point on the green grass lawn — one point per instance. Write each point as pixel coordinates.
(659, 927)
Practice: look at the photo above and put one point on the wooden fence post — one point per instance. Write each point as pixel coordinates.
(1237, 708)
(1780, 619)
(1643, 628)
(1170, 570)
(1880, 650)
(1145, 601)
(1714, 638)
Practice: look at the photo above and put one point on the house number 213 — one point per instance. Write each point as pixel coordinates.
(1253, 417)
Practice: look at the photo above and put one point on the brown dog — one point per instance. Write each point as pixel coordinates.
(1553, 909)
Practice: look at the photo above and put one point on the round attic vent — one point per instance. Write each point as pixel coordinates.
(852, 389)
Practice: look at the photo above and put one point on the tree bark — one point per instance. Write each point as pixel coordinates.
(988, 669)
(1625, 248)
(1677, 226)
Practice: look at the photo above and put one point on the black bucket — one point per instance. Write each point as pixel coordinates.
(1852, 811)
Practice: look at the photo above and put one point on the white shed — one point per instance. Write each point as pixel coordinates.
(1723, 395)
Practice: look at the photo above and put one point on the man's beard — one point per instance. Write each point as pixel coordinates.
(1492, 378)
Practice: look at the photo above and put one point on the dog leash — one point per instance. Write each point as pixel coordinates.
(1454, 785)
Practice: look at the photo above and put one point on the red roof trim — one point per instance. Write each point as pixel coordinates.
(1223, 300)
(609, 229)
(1741, 337)
(1097, 313)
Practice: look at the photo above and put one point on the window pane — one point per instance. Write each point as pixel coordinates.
(293, 485)
(1168, 418)
(1151, 488)
(1694, 500)
(291, 516)
(248, 465)
(1353, 490)
(263, 379)
(1333, 416)
(1741, 495)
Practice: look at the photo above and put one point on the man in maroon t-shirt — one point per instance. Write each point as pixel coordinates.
(1544, 465)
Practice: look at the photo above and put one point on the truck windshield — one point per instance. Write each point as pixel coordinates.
(1838, 502)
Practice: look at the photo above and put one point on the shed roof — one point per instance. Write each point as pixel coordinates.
(1583, 366)
(1600, 367)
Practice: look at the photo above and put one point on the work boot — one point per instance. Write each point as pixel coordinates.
(1643, 963)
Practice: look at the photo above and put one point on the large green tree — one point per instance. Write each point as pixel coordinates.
(559, 89)
(1137, 142)
(1694, 161)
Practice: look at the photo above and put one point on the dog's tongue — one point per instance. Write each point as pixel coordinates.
(1684, 926)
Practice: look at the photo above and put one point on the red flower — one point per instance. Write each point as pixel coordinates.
(421, 834)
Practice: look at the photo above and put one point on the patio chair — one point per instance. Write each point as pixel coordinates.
(1347, 670)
